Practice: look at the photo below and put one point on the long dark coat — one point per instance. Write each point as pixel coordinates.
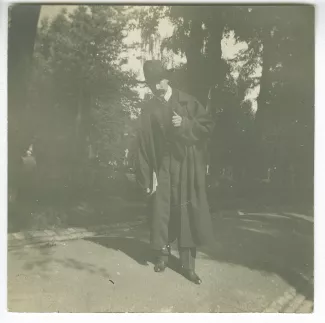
(187, 145)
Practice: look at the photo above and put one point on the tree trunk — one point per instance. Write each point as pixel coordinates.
(263, 119)
(194, 61)
(21, 38)
(216, 67)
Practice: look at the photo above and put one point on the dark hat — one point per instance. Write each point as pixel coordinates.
(154, 71)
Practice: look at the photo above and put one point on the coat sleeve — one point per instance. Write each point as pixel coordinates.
(197, 126)
(142, 161)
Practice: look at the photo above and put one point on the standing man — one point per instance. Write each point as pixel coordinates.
(171, 169)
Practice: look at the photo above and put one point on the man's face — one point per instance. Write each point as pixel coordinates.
(159, 89)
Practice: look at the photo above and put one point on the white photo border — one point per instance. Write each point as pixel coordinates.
(319, 224)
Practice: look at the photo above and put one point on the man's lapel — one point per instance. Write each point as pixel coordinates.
(164, 112)
(179, 103)
(162, 116)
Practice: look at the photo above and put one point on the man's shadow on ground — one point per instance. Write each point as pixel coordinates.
(136, 249)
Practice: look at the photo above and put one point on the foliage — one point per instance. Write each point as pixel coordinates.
(280, 40)
(79, 93)
(80, 96)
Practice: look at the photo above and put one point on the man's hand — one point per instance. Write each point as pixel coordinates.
(149, 192)
(177, 120)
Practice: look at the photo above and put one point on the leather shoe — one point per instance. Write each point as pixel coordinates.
(160, 266)
(192, 276)
(162, 261)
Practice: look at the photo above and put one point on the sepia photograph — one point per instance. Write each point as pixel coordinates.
(160, 158)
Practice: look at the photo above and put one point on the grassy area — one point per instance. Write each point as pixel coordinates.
(119, 200)
(60, 206)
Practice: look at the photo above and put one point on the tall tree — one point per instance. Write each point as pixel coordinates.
(87, 99)
(21, 35)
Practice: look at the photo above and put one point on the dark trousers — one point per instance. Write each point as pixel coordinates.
(165, 225)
